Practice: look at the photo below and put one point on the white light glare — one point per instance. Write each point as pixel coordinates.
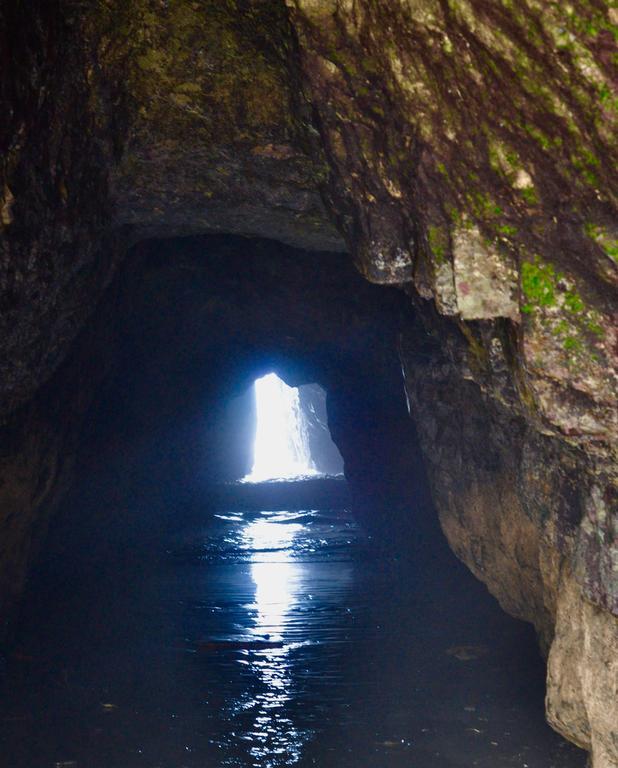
(281, 447)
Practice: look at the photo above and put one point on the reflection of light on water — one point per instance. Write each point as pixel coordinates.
(278, 581)
(274, 592)
(281, 448)
(274, 572)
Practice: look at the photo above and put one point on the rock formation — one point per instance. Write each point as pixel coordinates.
(462, 150)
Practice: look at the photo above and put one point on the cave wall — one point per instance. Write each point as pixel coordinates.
(461, 149)
(132, 120)
(531, 516)
(39, 450)
(469, 145)
(325, 455)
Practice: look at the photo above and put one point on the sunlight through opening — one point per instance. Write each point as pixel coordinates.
(281, 449)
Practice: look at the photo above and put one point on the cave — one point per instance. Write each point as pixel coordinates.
(308, 384)
(175, 474)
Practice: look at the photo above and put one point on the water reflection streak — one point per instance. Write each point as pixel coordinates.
(278, 579)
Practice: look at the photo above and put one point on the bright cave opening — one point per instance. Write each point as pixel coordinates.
(292, 440)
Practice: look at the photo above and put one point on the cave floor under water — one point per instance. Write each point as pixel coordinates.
(271, 638)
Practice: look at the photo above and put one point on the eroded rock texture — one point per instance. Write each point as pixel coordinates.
(126, 120)
(469, 146)
(462, 149)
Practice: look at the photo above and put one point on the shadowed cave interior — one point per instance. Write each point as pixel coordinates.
(178, 617)
(157, 608)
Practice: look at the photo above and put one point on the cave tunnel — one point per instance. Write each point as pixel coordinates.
(181, 612)
(401, 217)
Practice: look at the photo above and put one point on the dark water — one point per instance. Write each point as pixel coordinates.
(272, 638)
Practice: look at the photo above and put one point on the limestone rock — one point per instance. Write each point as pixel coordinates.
(582, 678)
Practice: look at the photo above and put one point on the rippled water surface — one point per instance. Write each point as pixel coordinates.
(273, 638)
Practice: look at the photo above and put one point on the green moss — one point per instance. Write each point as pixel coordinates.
(594, 328)
(586, 164)
(546, 142)
(438, 243)
(573, 302)
(591, 23)
(538, 284)
(530, 195)
(604, 239)
(571, 343)
(507, 229)
(608, 99)
(481, 205)
(507, 163)
(553, 300)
